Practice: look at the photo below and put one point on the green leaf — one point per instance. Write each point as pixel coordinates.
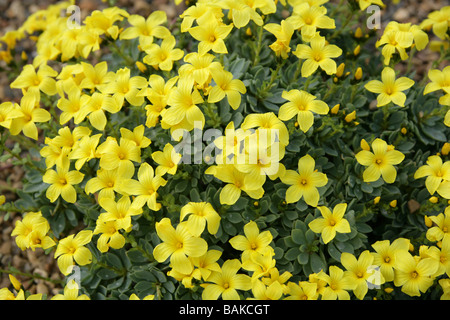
(298, 236)
(317, 263)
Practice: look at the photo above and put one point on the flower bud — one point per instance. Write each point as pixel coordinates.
(358, 74)
(445, 149)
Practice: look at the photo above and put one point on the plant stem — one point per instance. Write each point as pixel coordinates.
(258, 45)
(32, 275)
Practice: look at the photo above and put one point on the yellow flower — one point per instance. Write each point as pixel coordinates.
(283, 33)
(380, 162)
(94, 108)
(110, 236)
(96, 77)
(436, 172)
(441, 226)
(310, 18)
(260, 291)
(146, 29)
(390, 89)
(226, 86)
(207, 263)
(330, 223)
(240, 12)
(303, 290)
(163, 56)
(445, 285)
(183, 103)
(178, 244)
(317, 54)
(71, 292)
(394, 42)
(226, 282)
(125, 87)
(211, 35)
(33, 224)
(305, 182)
(414, 275)
(268, 121)
(360, 272)
(31, 114)
(252, 241)
(439, 21)
(198, 67)
(158, 94)
(237, 182)
(364, 4)
(33, 81)
(167, 160)
(200, 213)
(72, 249)
(440, 80)
(303, 105)
(120, 212)
(107, 182)
(8, 112)
(148, 297)
(385, 255)
(61, 183)
(145, 188)
(408, 31)
(120, 155)
(71, 106)
(85, 150)
(137, 136)
(338, 284)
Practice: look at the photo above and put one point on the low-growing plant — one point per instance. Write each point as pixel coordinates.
(245, 150)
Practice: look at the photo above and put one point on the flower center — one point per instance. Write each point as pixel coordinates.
(63, 181)
(414, 274)
(379, 161)
(387, 259)
(253, 246)
(180, 245)
(212, 38)
(226, 285)
(121, 155)
(359, 275)
(304, 182)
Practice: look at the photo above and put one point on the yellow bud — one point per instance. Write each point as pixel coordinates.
(141, 66)
(364, 145)
(335, 79)
(347, 73)
(350, 117)
(376, 200)
(411, 247)
(390, 147)
(404, 131)
(24, 55)
(445, 149)
(248, 32)
(358, 74)
(256, 203)
(388, 290)
(16, 283)
(433, 199)
(439, 244)
(2, 199)
(428, 221)
(357, 50)
(340, 70)
(393, 203)
(296, 124)
(358, 33)
(335, 109)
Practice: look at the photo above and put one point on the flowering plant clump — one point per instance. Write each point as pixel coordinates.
(281, 150)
